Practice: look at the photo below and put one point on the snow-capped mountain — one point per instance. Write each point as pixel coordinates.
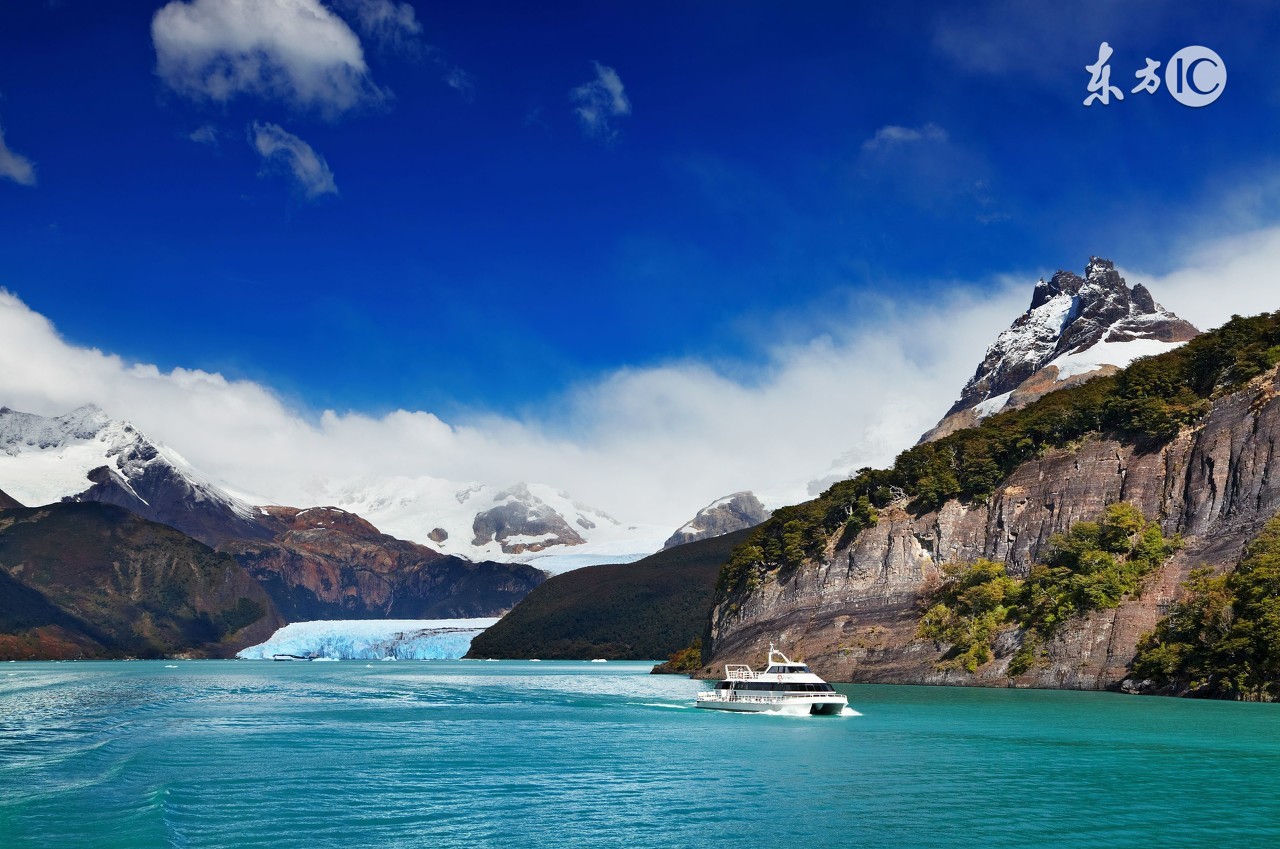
(528, 523)
(1076, 328)
(722, 516)
(85, 455)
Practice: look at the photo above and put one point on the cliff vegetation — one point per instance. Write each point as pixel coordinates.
(1222, 638)
(1091, 567)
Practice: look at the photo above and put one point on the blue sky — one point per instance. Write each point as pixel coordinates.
(487, 246)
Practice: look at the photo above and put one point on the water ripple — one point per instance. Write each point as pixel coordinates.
(246, 754)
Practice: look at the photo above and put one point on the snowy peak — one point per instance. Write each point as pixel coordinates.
(1076, 328)
(524, 522)
(734, 512)
(85, 455)
(520, 522)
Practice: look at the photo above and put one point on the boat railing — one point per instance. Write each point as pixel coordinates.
(739, 672)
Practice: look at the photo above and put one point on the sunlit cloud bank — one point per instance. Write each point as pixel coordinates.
(648, 444)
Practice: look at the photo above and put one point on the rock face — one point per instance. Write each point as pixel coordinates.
(94, 580)
(1076, 328)
(326, 563)
(853, 616)
(7, 503)
(724, 516)
(521, 522)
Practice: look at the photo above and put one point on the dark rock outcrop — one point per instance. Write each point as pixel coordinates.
(7, 503)
(162, 493)
(853, 615)
(724, 516)
(326, 563)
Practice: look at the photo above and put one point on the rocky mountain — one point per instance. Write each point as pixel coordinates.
(95, 580)
(1197, 455)
(638, 611)
(6, 502)
(326, 563)
(315, 563)
(85, 455)
(1075, 329)
(734, 512)
(524, 522)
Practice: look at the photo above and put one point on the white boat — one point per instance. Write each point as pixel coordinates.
(784, 686)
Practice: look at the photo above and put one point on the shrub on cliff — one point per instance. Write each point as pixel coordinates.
(1091, 567)
(1222, 639)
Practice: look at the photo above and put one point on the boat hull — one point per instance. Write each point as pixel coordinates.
(799, 707)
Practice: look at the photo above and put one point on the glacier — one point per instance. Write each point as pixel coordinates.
(372, 639)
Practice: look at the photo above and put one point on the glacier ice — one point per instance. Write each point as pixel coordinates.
(372, 639)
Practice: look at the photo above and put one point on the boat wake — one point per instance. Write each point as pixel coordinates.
(664, 705)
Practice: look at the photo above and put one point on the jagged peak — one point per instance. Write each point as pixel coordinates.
(1099, 267)
(1082, 324)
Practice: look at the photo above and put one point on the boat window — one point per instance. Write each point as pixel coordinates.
(772, 670)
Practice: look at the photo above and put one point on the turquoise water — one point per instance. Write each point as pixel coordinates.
(444, 754)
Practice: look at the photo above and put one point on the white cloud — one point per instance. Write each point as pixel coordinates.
(206, 134)
(386, 22)
(460, 81)
(14, 166)
(280, 148)
(1051, 42)
(650, 445)
(296, 50)
(892, 135)
(1230, 276)
(598, 102)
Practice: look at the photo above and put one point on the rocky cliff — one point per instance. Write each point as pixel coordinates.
(852, 610)
(326, 563)
(1076, 328)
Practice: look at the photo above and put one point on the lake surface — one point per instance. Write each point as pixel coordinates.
(446, 754)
